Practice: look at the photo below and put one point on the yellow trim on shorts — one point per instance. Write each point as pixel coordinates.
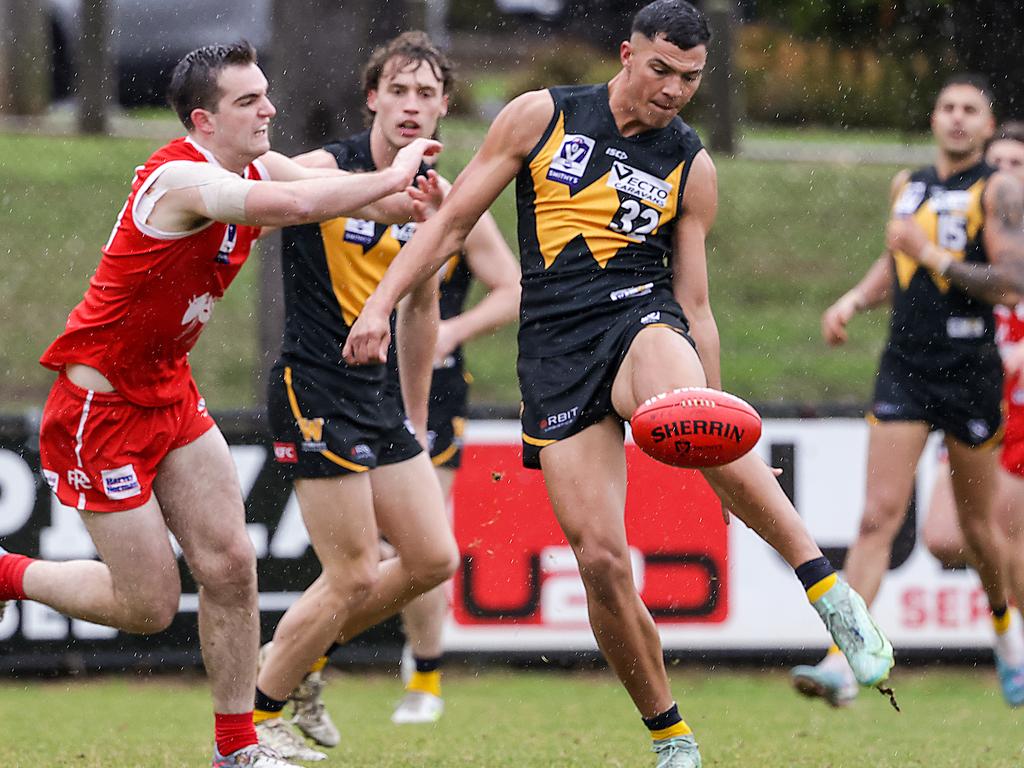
(536, 441)
(297, 414)
(444, 455)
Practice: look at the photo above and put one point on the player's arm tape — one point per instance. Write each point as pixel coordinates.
(222, 191)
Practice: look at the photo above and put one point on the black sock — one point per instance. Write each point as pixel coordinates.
(427, 665)
(266, 704)
(813, 571)
(666, 719)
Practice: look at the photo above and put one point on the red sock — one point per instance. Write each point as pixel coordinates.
(12, 576)
(233, 732)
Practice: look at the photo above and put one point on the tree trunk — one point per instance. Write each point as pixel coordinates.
(26, 37)
(318, 53)
(94, 89)
(718, 80)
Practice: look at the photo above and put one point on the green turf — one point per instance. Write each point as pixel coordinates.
(951, 718)
(790, 237)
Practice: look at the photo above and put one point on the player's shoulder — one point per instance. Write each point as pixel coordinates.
(351, 153)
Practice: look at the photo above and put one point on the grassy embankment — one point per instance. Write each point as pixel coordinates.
(789, 238)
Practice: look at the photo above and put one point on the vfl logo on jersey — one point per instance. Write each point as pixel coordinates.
(121, 483)
(910, 198)
(403, 232)
(571, 159)
(650, 189)
(359, 231)
(227, 245)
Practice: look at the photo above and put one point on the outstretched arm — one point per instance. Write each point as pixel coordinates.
(491, 262)
(416, 335)
(514, 133)
(229, 198)
(690, 263)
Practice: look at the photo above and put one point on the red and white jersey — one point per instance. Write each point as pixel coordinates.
(1010, 331)
(153, 292)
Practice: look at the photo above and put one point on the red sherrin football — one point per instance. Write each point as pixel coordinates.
(696, 427)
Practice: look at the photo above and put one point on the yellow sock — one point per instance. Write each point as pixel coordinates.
(679, 729)
(426, 682)
(319, 664)
(821, 587)
(833, 649)
(261, 715)
(1001, 623)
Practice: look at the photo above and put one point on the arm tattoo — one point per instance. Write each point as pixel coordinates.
(1001, 283)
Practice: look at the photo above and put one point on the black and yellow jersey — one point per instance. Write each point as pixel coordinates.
(596, 219)
(330, 269)
(933, 320)
(455, 280)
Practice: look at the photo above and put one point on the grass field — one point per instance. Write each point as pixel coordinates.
(790, 237)
(952, 718)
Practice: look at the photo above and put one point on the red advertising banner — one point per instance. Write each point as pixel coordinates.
(517, 567)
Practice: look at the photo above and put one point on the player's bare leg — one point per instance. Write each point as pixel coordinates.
(590, 507)
(941, 529)
(1010, 510)
(423, 621)
(894, 449)
(202, 503)
(974, 472)
(338, 513)
(136, 585)
(660, 360)
(411, 514)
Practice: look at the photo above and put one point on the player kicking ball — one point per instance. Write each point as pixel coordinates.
(615, 198)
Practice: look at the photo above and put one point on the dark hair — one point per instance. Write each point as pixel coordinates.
(679, 22)
(976, 81)
(1009, 131)
(411, 49)
(194, 80)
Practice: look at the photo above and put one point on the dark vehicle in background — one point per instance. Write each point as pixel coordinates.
(150, 36)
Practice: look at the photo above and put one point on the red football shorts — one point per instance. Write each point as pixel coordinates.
(100, 452)
(1012, 454)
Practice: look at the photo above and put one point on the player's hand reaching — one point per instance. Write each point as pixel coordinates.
(447, 341)
(905, 235)
(427, 195)
(410, 157)
(369, 338)
(836, 318)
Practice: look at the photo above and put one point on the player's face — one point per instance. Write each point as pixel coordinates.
(660, 78)
(408, 102)
(243, 115)
(1007, 155)
(962, 120)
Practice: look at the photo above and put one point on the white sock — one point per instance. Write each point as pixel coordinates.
(1010, 644)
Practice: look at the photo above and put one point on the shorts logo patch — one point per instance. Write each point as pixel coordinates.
(363, 452)
(650, 317)
(121, 483)
(965, 327)
(78, 480)
(312, 429)
(431, 440)
(409, 427)
(359, 231)
(285, 453)
(979, 429)
(558, 420)
(634, 182)
(201, 406)
(52, 479)
(571, 159)
(886, 409)
(313, 446)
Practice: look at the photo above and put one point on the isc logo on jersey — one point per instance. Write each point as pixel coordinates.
(650, 189)
(910, 198)
(571, 159)
(403, 232)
